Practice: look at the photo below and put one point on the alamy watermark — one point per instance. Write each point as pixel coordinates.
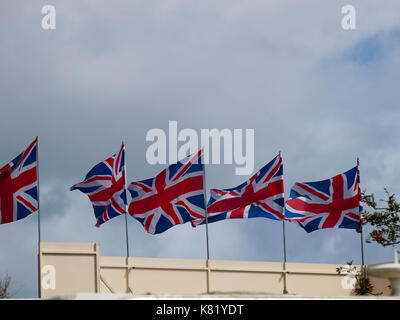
(350, 279)
(235, 151)
(349, 18)
(348, 21)
(49, 19)
(48, 281)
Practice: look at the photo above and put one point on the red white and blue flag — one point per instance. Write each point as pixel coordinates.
(261, 196)
(19, 186)
(105, 187)
(174, 196)
(331, 203)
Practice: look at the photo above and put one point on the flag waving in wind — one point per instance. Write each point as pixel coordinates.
(19, 186)
(331, 203)
(105, 187)
(261, 196)
(174, 196)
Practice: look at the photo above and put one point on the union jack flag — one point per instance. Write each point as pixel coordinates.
(261, 196)
(331, 203)
(174, 196)
(105, 187)
(18, 186)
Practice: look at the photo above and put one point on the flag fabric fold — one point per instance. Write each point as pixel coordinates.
(175, 196)
(330, 203)
(19, 186)
(105, 186)
(261, 196)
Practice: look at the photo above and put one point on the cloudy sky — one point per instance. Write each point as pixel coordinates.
(112, 70)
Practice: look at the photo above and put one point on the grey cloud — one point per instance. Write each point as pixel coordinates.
(112, 71)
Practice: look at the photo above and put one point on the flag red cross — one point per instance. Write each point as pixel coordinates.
(334, 208)
(8, 186)
(115, 185)
(249, 196)
(166, 195)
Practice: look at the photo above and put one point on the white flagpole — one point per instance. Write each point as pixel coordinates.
(38, 215)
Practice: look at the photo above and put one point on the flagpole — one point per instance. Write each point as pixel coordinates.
(126, 207)
(362, 248)
(285, 291)
(126, 226)
(361, 229)
(284, 250)
(205, 210)
(126, 232)
(38, 215)
(206, 214)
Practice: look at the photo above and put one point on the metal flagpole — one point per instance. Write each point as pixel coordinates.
(284, 251)
(126, 226)
(284, 258)
(126, 231)
(361, 229)
(126, 205)
(38, 215)
(205, 211)
(362, 248)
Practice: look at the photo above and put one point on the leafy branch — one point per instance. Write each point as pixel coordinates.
(384, 220)
(363, 284)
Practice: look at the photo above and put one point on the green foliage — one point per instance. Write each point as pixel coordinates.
(363, 284)
(384, 220)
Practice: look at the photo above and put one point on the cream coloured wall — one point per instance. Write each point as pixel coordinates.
(79, 268)
(68, 268)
